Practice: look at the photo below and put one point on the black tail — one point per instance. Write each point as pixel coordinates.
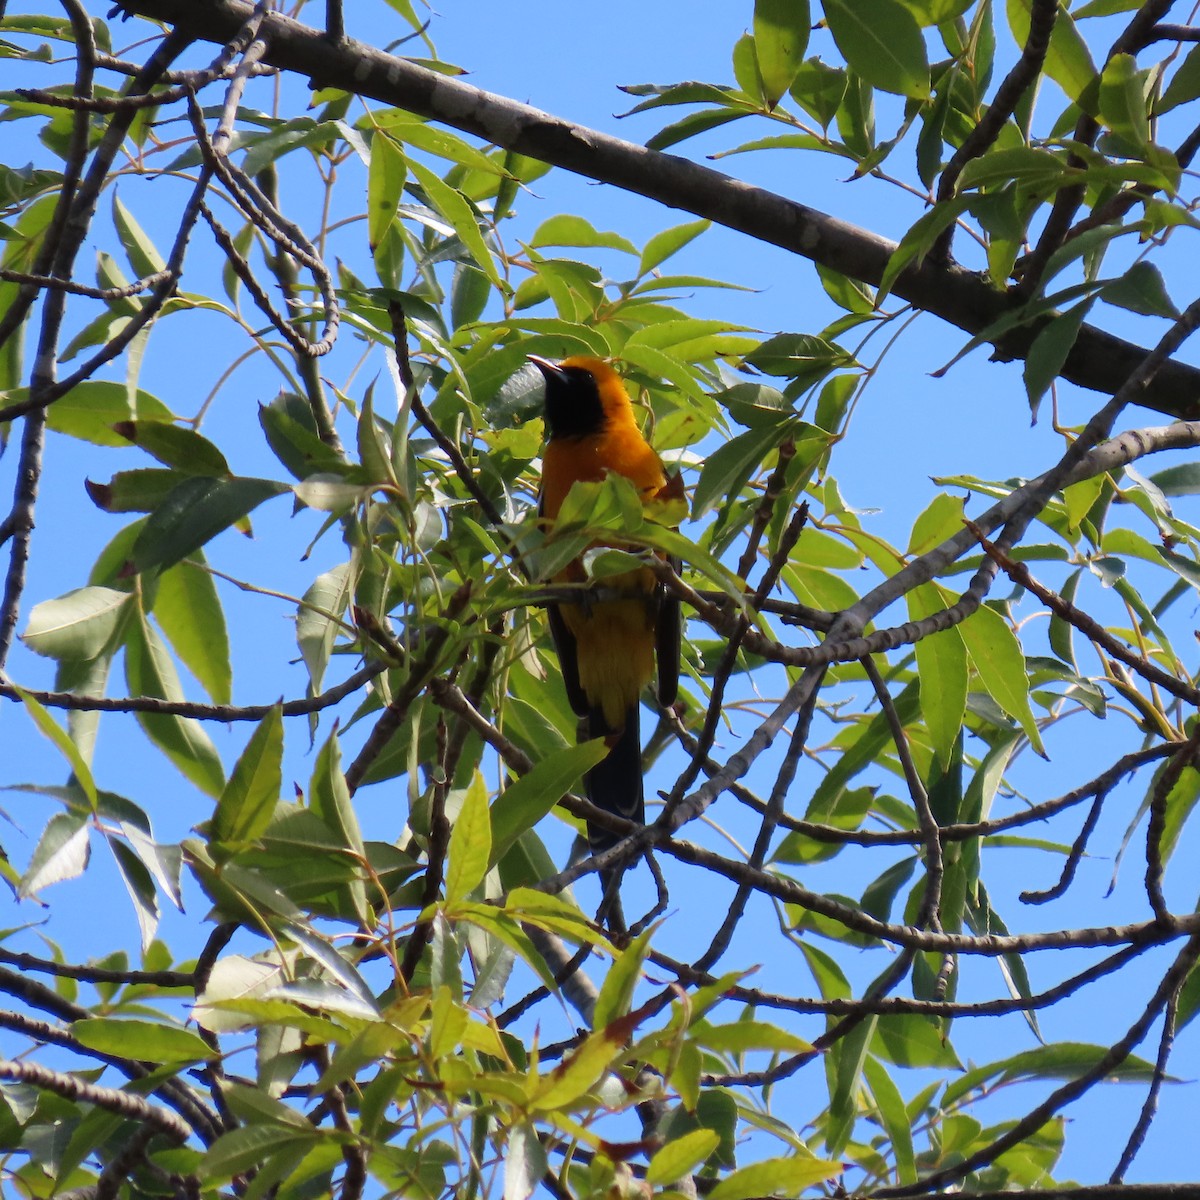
(615, 783)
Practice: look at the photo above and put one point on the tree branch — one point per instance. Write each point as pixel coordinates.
(961, 297)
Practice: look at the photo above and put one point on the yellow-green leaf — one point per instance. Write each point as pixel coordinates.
(470, 843)
(996, 656)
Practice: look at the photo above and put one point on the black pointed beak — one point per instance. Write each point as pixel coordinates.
(548, 369)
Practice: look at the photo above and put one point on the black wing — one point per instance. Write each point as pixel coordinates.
(568, 659)
(568, 654)
(668, 638)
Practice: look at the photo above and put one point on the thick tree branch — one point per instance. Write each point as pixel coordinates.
(1097, 361)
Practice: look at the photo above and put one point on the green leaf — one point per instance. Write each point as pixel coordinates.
(889, 1104)
(91, 409)
(819, 88)
(800, 357)
(149, 1041)
(1068, 61)
(193, 514)
(743, 1036)
(663, 245)
(527, 800)
(1123, 104)
(62, 853)
(470, 291)
(1060, 1060)
(291, 433)
(175, 446)
(143, 255)
(568, 230)
(455, 207)
(412, 130)
(470, 843)
(50, 728)
(317, 619)
(843, 1068)
(143, 864)
(912, 1040)
(620, 983)
(681, 1156)
(847, 293)
(942, 670)
(1184, 86)
(78, 625)
(329, 799)
(376, 462)
(1049, 352)
(919, 240)
(775, 1176)
(149, 671)
(240, 1150)
(882, 42)
(1027, 165)
(727, 469)
(525, 1162)
(996, 656)
(1141, 290)
(188, 609)
(385, 185)
(781, 29)
(142, 490)
(248, 800)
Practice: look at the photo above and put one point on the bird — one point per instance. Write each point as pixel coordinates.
(608, 650)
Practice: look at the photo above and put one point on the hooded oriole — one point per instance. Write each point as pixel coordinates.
(607, 650)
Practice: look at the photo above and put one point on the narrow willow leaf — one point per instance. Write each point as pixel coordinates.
(781, 29)
(942, 671)
(663, 245)
(616, 992)
(1123, 103)
(455, 207)
(893, 1115)
(149, 1041)
(385, 184)
(139, 883)
(527, 800)
(248, 800)
(91, 409)
(1141, 290)
(681, 1156)
(143, 254)
(775, 1177)
(525, 1162)
(1068, 60)
(996, 656)
(1049, 352)
(149, 671)
(48, 726)
(189, 612)
(470, 843)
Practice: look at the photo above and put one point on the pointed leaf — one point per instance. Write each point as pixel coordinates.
(781, 29)
(248, 800)
(78, 625)
(470, 843)
(882, 42)
(62, 853)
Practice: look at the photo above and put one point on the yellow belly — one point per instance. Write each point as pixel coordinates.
(615, 646)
